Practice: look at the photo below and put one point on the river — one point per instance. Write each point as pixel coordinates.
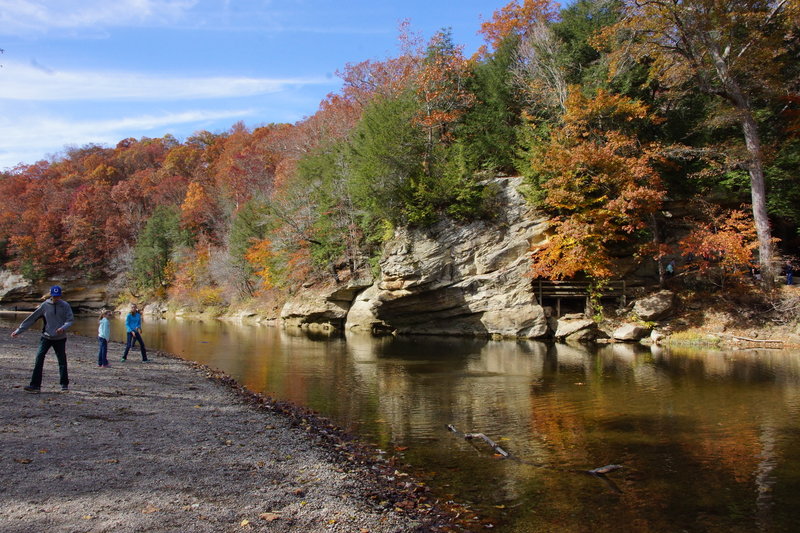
(707, 440)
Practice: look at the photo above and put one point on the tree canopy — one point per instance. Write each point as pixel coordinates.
(614, 111)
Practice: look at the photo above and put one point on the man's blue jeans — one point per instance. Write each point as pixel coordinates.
(129, 344)
(59, 347)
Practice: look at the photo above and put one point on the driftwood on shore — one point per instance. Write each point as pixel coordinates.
(766, 342)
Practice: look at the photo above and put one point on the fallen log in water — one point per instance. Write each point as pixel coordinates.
(599, 472)
(603, 470)
(473, 436)
(489, 441)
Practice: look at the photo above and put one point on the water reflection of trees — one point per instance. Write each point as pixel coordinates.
(708, 438)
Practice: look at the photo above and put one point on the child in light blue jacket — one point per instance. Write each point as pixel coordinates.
(103, 334)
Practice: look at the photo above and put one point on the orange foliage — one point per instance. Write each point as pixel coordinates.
(334, 120)
(365, 80)
(246, 164)
(192, 282)
(299, 265)
(576, 246)
(88, 242)
(517, 19)
(792, 114)
(199, 213)
(601, 185)
(441, 87)
(722, 244)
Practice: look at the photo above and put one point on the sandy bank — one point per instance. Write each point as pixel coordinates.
(171, 446)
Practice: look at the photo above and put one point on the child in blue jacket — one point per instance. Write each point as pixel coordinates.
(133, 327)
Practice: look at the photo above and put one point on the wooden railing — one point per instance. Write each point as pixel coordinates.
(556, 290)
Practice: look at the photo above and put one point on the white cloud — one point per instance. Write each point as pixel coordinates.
(30, 139)
(33, 82)
(22, 17)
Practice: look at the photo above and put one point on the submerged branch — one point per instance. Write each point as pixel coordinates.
(599, 472)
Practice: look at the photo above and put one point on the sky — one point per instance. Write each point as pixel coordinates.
(75, 72)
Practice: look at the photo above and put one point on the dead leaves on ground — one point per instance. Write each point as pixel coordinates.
(268, 517)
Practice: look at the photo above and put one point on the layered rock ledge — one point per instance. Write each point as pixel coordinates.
(451, 279)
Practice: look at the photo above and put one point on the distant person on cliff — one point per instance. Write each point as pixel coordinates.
(103, 334)
(133, 327)
(789, 271)
(58, 317)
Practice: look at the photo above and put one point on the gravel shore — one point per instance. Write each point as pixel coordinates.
(169, 445)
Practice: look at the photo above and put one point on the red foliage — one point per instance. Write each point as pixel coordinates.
(722, 244)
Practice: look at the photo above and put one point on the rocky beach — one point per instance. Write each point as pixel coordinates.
(169, 445)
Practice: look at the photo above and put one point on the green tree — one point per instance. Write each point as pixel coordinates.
(387, 153)
(247, 228)
(340, 229)
(396, 176)
(155, 248)
(579, 23)
(487, 131)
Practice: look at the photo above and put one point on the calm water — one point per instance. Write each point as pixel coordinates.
(709, 441)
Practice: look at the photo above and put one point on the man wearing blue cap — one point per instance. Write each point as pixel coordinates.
(57, 315)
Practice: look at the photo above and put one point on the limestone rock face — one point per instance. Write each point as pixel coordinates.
(308, 308)
(155, 309)
(322, 308)
(656, 337)
(86, 297)
(361, 316)
(459, 280)
(17, 292)
(656, 306)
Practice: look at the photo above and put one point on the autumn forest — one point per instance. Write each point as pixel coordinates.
(644, 129)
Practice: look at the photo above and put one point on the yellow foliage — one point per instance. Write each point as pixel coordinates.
(259, 256)
(210, 296)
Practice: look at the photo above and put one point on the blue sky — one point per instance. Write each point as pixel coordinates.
(98, 71)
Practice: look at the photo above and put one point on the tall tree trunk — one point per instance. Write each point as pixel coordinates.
(758, 193)
(755, 167)
(657, 245)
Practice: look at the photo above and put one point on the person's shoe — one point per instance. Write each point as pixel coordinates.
(32, 390)
(123, 359)
(64, 388)
(145, 360)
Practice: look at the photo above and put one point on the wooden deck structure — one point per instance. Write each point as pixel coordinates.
(558, 290)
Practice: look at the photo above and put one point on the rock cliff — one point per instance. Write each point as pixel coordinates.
(17, 293)
(449, 279)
